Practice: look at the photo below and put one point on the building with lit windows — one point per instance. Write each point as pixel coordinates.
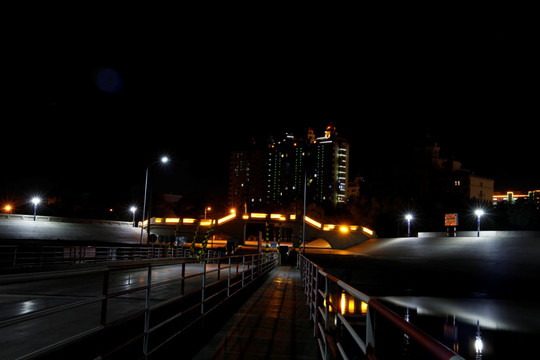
(272, 174)
(285, 170)
(330, 172)
(428, 175)
(246, 177)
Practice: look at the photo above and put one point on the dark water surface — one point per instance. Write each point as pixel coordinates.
(463, 304)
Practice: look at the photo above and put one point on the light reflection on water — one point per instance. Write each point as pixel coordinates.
(474, 328)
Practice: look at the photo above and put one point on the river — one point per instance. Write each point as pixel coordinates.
(480, 310)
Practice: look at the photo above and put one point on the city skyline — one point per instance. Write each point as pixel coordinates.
(88, 118)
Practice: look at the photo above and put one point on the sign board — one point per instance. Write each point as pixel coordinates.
(451, 219)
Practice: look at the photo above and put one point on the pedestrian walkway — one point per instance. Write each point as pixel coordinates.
(272, 324)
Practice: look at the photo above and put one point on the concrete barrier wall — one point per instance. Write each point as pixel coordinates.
(487, 233)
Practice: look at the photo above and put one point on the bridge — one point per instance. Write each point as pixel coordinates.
(251, 228)
(248, 229)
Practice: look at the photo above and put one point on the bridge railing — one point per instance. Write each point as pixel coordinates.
(344, 319)
(130, 317)
(15, 257)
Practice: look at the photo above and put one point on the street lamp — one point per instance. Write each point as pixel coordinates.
(479, 213)
(208, 208)
(35, 201)
(133, 209)
(163, 160)
(409, 218)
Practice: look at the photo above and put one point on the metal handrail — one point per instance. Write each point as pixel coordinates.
(253, 266)
(18, 257)
(330, 340)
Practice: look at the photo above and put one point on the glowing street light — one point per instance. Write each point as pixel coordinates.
(478, 343)
(35, 201)
(409, 218)
(163, 160)
(479, 213)
(133, 209)
(208, 208)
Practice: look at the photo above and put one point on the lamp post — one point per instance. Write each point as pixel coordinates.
(35, 201)
(479, 214)
(133, 209)
(208, 208)
(163, 160)
(304, 217)
(409, 218)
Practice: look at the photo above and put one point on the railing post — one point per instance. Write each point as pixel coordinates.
(327, 301)
(183, 285)
(229, 279)
(252, 266)
(203, 286)
(105, 293)
(370, 335)
(147, 310)
(243, 269)
(316, 305)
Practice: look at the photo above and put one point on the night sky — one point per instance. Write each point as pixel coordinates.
(87, 114)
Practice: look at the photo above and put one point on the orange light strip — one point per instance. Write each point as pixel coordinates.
(367, 231)
(226, 218)
(207, 222)
(258, 216)
(278, 217)
(313, 223)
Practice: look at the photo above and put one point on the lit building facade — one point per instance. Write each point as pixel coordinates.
(330, 173)
(246, 178)
(285, 165)
(272, 175)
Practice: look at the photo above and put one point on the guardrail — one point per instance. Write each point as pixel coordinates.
(353, 335)
(131, 317)
(20, 257)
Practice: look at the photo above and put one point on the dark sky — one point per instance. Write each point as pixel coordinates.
(87, 113)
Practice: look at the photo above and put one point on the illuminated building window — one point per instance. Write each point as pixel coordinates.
(457, 183)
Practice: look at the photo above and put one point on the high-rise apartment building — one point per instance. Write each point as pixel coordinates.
(330, 172)
(272, 175)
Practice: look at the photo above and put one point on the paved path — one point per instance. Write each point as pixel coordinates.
(272, 324)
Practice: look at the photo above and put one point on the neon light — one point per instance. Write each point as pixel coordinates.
(278, 217)
(367, 231)
(328, 227)
(313, 223)
(363, 307)
(258, 215)
(207, 222)
(226, 218)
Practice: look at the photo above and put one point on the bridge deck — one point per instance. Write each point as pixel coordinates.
(273, 324)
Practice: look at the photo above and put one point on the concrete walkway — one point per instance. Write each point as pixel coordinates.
(272, 324)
